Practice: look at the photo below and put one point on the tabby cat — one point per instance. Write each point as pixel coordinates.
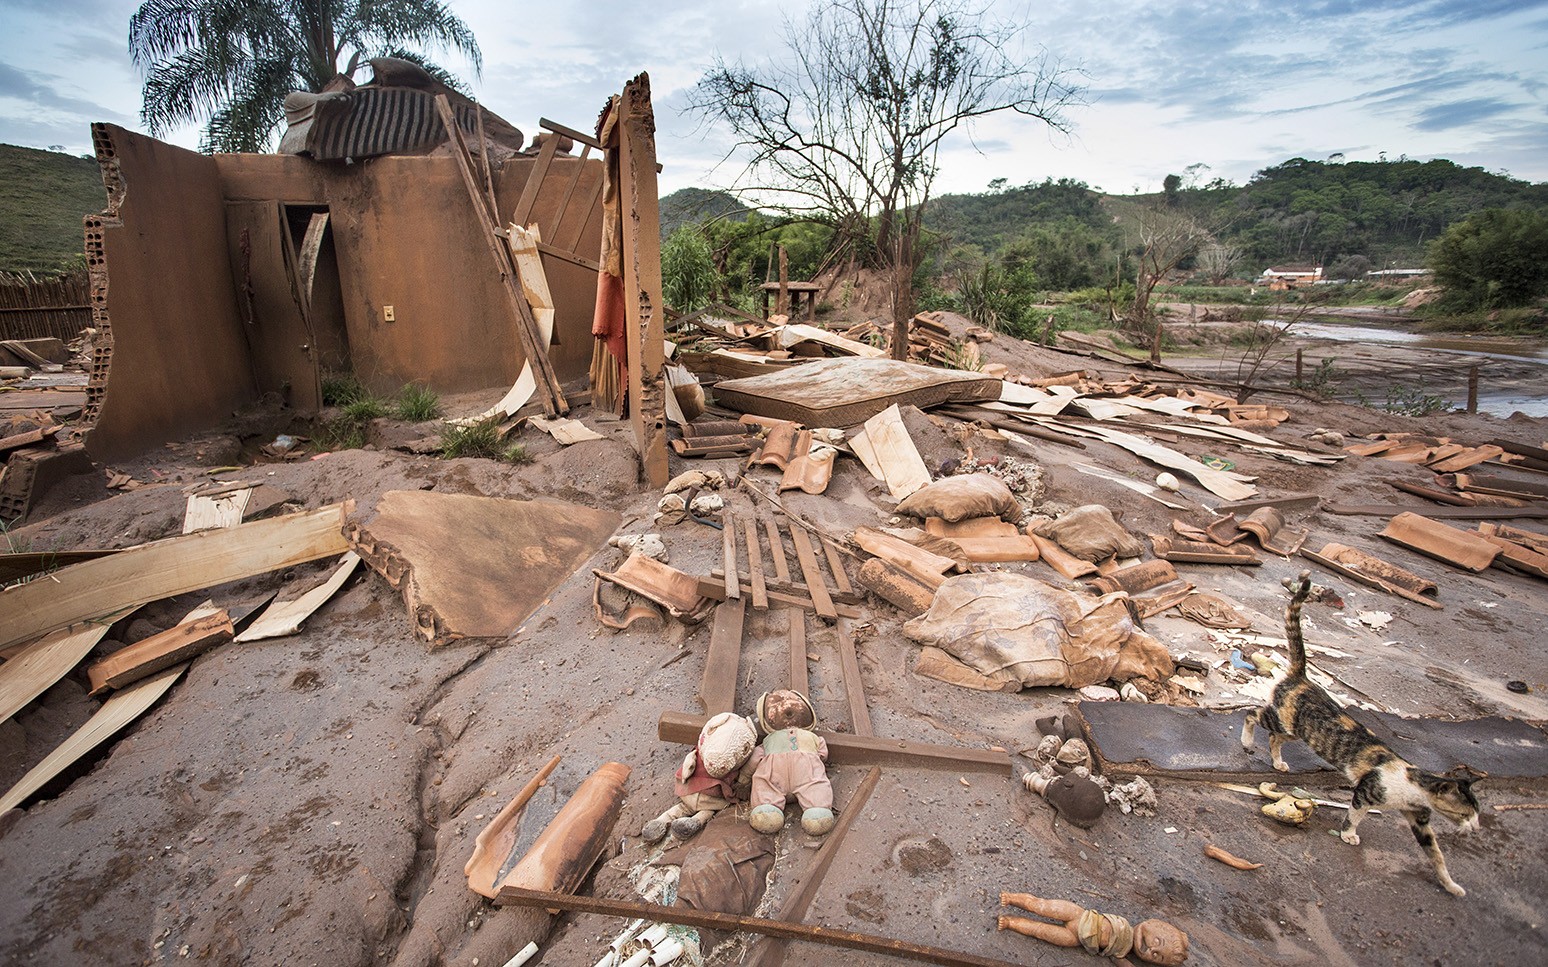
(1300, 709)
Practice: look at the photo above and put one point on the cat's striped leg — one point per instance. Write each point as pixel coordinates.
(1419, 822)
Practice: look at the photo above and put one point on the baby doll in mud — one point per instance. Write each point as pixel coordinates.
(1103, 934)
(708, 778)
(790, 764)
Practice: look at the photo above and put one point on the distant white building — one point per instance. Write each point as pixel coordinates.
(1290, 277)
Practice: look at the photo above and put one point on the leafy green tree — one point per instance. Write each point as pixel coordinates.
(1495, 259)
(688, 278)
(231, 62)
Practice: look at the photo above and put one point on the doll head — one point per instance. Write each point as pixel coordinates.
(1158, 942)
(725, 742)
(784, 708)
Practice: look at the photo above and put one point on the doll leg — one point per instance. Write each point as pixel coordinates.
(768, 799)
(656, 829)
(703, 808)
(1052, 909)
(815, 794)
(1054, 933)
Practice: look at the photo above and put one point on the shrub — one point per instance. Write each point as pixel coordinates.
(479, 440)
(415, 404)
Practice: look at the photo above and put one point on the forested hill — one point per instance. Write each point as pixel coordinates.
(692, 205)
(43, 196)
(1299, 211)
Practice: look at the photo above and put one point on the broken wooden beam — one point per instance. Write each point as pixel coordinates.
(717, 689)
(818, 588)
(35, 668)
(194, 636)
(861, 750)
(707, 920)
(760, 591)
(139, 575)
(118, 711)
(733, 583)
(800, 680)
(532, 343)
(854, 688)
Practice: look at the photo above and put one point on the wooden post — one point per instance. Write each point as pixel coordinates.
(1472, 389)
(782, 304)
(1155, 343)
(642, 277)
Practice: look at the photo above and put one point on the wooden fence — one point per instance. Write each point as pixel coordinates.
(33, 308)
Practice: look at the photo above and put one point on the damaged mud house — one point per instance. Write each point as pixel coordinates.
(771, 649)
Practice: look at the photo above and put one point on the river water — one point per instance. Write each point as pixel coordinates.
(1528, 394)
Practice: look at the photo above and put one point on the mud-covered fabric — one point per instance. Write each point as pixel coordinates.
(963, 497)
(1091, 534)
(1039, 634)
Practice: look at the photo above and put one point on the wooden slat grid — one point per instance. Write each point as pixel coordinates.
(34, 308)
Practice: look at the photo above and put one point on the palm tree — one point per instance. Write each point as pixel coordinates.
(233, 61)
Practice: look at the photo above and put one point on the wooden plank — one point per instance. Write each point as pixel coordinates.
(539, 172)
(117, 712)
(771, 953)
(526, 325)
(777, 551)
(566, 241)
(814, 581)
(566, 431)
(703, 920)
(893, 458)
(569, 256)
(717, 689)
(854, 688)
(733, 582)
(683, 728)
(285, 617)
(643, 302)
(208, 511)
(24, 563)
(139, 575)
(800, 680)
(574, 135)
(760, 591)
(523, 248)
(182, 642)
(36, 668)
(836, 565)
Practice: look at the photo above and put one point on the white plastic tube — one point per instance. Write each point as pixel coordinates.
(523, 955)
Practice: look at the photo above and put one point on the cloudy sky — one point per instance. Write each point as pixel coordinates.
(1233, 84)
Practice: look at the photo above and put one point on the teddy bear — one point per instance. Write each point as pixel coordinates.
(707, 779)
(790, 764)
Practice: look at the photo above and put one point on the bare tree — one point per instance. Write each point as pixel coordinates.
(847, 121)
(1219, 260)
(1167, 236)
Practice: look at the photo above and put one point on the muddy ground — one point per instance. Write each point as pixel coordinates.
(312, 800)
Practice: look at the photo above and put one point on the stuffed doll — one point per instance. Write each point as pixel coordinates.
(1103, 934)
(708, 777)
(791, 765)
